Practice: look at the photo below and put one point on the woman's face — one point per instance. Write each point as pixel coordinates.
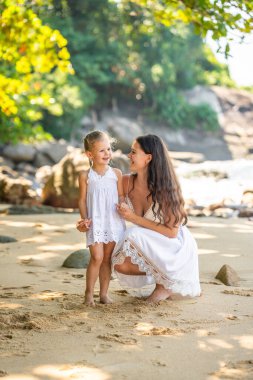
(138, 158)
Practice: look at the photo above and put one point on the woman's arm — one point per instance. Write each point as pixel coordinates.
(130, 216)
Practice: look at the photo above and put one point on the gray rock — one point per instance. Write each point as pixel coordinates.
(42, 159)
(227, 276)
(246, 213)
(200, 94)
(77, 259)
(19, 152)
(55, 150)
(124, 130)
(7, 239)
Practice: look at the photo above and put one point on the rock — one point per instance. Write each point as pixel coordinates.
(7, 239)
(247, 198)
(42, 160)
(246, 213)
(43, 174)
(224, 212)
(55, 150)
(24, 167)
(203, 95)
(77, 259)
(34, 209)
(6, 162)
(227, 276)
(19, 152)
(120, 161)
(61, 189)
(124, 130)
(16, 190)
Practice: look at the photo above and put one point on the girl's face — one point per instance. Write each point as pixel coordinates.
(101, 152)
(138, 158)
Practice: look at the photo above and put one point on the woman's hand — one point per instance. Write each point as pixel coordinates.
(125, 212)
(83, 225)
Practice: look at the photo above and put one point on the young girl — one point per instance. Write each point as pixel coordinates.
(100, 191)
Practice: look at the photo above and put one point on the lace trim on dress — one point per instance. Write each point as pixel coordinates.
(130, 249)
(103, 237)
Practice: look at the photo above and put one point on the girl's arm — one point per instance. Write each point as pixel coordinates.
(83, 176)
(83, 224)
(120, 185)
(130, 216)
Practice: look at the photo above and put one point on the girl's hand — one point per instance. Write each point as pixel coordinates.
(125, 212)
(83, 225)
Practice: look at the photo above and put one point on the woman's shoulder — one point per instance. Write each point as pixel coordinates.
(126, 179)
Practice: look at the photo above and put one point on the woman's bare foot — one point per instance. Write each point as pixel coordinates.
(105, 299)
(89, 300)
(159, 294)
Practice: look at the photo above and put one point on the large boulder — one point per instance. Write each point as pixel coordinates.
(124, 130)
(49, 153)
(61, 189)
(203, 95)
(19, 152)
(16, 190)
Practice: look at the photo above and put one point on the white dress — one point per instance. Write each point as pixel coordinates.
(171, 262)
(102, 198)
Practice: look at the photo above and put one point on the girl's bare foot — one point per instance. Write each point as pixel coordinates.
(105, 299)
(159, 294)
(89, 300)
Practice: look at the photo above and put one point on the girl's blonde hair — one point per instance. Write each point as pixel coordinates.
(94, 136)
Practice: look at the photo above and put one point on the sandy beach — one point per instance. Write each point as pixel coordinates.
(47, 333)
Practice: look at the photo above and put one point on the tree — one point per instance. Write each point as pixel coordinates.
(221, 18)
(29, 51)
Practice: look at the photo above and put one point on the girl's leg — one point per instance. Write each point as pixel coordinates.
(105, 273)
(127, 267)
(159, 294)
(96, 258)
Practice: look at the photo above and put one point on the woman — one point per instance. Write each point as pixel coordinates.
(158, 248)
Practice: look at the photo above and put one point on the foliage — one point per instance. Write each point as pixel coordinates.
(139, 51)
(219, 18)
(29, 50)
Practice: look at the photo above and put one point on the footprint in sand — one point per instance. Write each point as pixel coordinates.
(118, 339)
(241, 370)
(163, 331)
(121, 292)
(159, 363)
(101, 348)
(240, 292)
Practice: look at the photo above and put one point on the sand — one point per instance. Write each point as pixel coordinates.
(46, 332)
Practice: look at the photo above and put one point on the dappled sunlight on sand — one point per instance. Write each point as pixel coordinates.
(36, 239)
(12, 306)
(245, 341)
(203, 236)
(59, 247)
(62, 372)
(67, 371)
(207, 251)
(144, 327)
(47, 295)
(38, 256)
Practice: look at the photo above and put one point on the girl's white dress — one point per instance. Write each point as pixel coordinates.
(171, 262)
(102, 198)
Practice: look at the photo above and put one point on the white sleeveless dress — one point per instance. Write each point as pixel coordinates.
(171, 262)
(102, 198)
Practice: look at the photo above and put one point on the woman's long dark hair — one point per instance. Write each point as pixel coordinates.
(163, 184)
